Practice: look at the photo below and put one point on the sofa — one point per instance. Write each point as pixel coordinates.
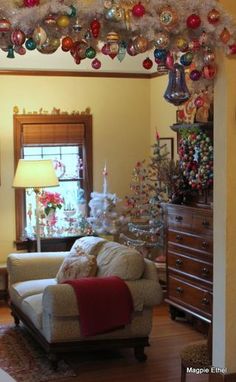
(49, 308)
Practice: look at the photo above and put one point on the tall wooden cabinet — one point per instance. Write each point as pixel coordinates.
(190, 260)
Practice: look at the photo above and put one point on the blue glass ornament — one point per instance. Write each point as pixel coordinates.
(186, 59)
(30, 44)
(160, 54)
(177, 92)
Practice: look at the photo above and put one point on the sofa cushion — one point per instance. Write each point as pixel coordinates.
(32, 307)
(119, 260)
(89, 244)
(77, 265)
(19, 291)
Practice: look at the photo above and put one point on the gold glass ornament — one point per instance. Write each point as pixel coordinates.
(63, 21)
(162, 40)
(168, 18)
(182, 44)
(112, 37)
(140, 44)
(225, 36)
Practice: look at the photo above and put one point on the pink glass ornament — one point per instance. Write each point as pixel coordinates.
(170, 60)
(31, 3)
(17, 37)
(199, 101)
(232, 49)
(96, 64)
(138, 10)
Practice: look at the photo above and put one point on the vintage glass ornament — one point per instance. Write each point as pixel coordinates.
(90, 52)
(122, 51)
(232, 49)
(225, 36)
(131, 49)
(114, 48)
(10, 52)
(138, 10)
(147, 63)
(199, 101)
(72, 12)
(31, 3)
(5, 25)
(168, 18)
(169, 60)
(209, 57)
(50, 46)
(50, 20)
(209, 72)
(66, 43)
(114, 13)
(20, 50)
(96, 64)
(194, 45)
(193, 21)
(203, 39)
(160, 54)
(213, 16)
(177, 92)
(112, 37)
(140, 44)
(30, 44)
(182, 44)
(95, 27)
(186, 59)
(77, 26)
(17, 37)
(162, 40)
(195, 75)
(39, 36)
(63, 21)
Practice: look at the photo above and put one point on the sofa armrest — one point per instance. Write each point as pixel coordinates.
(33, 265)
(150, 271)
(60, 300)
(145, 293)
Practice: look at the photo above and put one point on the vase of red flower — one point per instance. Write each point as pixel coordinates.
(50, 202)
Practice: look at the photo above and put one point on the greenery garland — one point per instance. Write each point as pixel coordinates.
(196, 159)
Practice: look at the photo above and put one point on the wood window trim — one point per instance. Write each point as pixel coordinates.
(19, 120)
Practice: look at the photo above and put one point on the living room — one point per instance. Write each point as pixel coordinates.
(129, 127)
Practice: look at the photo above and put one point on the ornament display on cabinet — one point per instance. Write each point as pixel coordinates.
(185, 32)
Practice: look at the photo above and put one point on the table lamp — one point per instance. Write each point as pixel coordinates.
(35, 174)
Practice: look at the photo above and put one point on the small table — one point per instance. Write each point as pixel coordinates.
(4, 274)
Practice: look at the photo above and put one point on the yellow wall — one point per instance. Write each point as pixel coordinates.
(121, 129)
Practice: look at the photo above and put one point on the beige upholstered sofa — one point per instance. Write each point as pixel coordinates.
(50, 310)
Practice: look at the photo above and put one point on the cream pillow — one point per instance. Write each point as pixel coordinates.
(77, 265)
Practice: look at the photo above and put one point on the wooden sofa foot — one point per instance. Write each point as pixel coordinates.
(16, 319)
(139, 353)
(53, 358)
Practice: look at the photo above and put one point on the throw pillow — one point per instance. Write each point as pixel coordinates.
(89, 244)
(77, 265)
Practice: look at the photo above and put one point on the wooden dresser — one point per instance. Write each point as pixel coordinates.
(189, 260)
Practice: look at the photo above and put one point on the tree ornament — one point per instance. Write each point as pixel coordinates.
(131, 49)
(209, 72)
(49, 46)
(203, 39)
(209, 57)
(105, 49)
(194, 45)
(114, 13)
(72, 12)
(186, 59)
(90, 53)
(140, 44)
(96, 64)
(50, 20)
(17, 37)
(147, 63)
(232, 49)
(182, 44)
(199, 102)
(225, 36)
(63, 21)
(31, 3)
(177, 92)
(5, 25)
(78, 50)
(30, 44)
(10, 52)
(95, 27)
(160, 54)
(193, 21)
(138, 10)
(76, 26)
(66, 43)
(169, 60)
(88, 35)
(213, 16)
(39, 36)
(195, 75)
(112, 37)
(168, 18)
(20, 50)
(162, 40)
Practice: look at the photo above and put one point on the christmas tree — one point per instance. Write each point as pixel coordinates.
(150, 188)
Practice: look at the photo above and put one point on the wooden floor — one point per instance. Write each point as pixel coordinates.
(163, 364)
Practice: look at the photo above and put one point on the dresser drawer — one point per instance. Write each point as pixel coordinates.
(179, 220)
(191, 267)
(190, 295)
(199, 243)
(202, 223)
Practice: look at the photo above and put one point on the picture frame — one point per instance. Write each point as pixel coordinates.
(169, 142)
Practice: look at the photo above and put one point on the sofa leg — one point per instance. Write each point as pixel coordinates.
(139, 353)
(16, 319)
(53, 361)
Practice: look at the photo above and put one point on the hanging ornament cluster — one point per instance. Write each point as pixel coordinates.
(196, 159)
(169, 32)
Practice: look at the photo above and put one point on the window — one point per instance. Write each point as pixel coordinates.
(67, 140)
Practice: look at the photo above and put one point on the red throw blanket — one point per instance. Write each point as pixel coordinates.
(105, 304)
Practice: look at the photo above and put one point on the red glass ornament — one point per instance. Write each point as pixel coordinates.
(105, 49)
(138, 10)
(193, 21)
(232, 49)
(194, 45)
(31, 3)
(96, 64)
(225, 36)
(95, 28)
(213, 16)
(147, 63)
(67, 43)
(17, 37)
(199, 101)
(209, 72)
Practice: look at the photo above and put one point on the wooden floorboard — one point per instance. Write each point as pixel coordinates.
(163, 364)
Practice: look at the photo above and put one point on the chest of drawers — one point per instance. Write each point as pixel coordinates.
(189, 260)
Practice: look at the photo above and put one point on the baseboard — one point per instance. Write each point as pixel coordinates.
(219, 377)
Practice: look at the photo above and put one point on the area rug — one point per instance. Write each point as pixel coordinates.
(24, 360)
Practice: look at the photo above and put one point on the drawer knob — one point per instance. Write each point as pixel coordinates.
(205, 272)
(179, 218)
(179, 238)
(204, 244)
(179, 262)
(179, 290)
(205, 301)
(205, 223)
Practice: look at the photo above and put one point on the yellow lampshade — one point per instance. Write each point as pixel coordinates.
(35, 174)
